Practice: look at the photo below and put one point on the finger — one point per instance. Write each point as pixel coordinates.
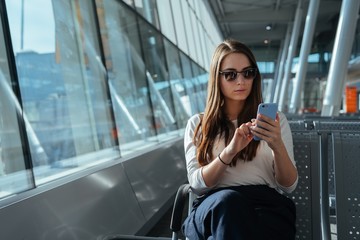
(245, 128)
(249, 125)
(265, 118)
(277, 119)
(261, 132)
(264, 125)
(242, 132)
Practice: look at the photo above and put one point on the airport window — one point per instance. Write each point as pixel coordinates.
(128, 77)
(200, 84)
(166, 19)
(267, 85)
(92, 85)
(189, 29)
(266, 67)
(191, 94)
(62, 84)
(204, 55)
(177, 84)
(147, 8)
(129, 2)
(197, 32)
(158, 80)
(15, 176)
(180, 25)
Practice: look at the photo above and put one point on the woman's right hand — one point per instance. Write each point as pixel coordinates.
(242, 137)
(212, 172)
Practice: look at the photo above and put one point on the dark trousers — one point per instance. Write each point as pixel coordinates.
(243, 212)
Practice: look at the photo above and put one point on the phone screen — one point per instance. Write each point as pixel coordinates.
(267, 109)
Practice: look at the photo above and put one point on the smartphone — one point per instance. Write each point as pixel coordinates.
(267, 109)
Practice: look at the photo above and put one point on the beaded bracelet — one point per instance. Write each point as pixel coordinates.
(228, 164)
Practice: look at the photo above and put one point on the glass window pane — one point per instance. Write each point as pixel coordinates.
(196, 38)
(147, 8)
(189, 29)
(190, 92)
(63, 85)
(158, 79)
(179, 26)
(166, 19)
(200, 84)
(14, 177)
(177, 86)
(128, 2)
(127, 77)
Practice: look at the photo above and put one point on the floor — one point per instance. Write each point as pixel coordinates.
(162, 228)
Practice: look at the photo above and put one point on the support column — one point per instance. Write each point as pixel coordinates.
(280, 70)
(304, 53)
(289, 60)
(340, 57)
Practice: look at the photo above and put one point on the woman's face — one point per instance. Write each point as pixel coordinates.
(236, 78)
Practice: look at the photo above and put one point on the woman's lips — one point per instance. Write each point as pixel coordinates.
(240, 90)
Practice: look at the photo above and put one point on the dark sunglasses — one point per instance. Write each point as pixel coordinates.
(231, 75)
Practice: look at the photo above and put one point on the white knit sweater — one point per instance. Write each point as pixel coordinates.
(259, 171)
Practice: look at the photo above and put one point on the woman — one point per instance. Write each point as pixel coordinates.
(238, 180)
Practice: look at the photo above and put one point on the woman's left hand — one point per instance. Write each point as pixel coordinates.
(267, 129)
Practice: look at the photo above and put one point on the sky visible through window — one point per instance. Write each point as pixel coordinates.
(39, 27)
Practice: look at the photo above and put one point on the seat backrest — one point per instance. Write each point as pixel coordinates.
(346, 148)
(306, 195)
(333, 165)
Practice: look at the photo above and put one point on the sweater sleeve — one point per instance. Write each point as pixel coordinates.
(193, 168)
(288, 141)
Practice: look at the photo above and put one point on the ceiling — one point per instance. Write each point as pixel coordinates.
(246, 20)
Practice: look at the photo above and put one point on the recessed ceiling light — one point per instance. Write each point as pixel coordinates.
(268, 27)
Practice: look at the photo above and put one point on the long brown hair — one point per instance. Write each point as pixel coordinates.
(214, 120)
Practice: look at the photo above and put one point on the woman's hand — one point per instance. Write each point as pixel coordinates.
(242, 137)
(212, 172)
(268, 130)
